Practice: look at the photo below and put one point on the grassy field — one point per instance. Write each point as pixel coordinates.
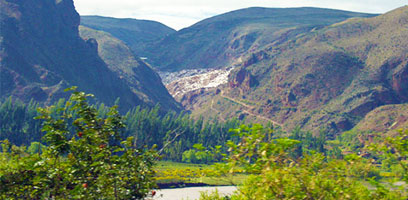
(172, 174)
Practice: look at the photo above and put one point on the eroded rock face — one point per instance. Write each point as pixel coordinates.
(400, 81)
(42, 54)
(190, 98)
(242, 80)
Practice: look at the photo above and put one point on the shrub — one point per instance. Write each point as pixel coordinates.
(90, 162)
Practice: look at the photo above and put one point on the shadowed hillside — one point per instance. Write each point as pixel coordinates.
(42, 54)
(127, 66)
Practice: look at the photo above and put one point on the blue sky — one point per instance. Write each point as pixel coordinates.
(183, 13)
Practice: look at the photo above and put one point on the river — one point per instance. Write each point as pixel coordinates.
(190, 193)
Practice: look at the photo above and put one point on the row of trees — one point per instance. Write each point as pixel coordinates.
(151, 127)
(17, 123)
(147, 127)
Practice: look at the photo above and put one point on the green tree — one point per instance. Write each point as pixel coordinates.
(87, 159)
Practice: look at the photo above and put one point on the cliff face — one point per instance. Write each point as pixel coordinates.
(42, 54)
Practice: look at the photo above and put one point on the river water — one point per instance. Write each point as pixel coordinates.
(190, 193)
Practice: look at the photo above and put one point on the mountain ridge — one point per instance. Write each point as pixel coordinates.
(219, 41)
(135, 33)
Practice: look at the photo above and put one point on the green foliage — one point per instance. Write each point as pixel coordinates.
(174, 133)
(35, 147)
(201, 154)
(213, 196)
(93, 162)
(198, 157)
(278, 175)
(173, 174)
(17, 122)
(393, 152)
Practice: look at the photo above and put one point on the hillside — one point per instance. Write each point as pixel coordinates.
(127, 66)
(42, 54)
(222, 40)
(385, 119)
(327, 78)
(137, 34)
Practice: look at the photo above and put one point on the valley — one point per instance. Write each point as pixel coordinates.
(282, 78)
(274, 103)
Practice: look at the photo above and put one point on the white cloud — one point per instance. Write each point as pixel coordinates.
(183, 13)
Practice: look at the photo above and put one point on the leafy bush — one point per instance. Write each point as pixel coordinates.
(93, 162)
(201, 155)
(275, 174)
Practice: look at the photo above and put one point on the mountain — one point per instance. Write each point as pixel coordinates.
(41, 53)
(326, 78)
(137, 34)
(222, 40)
(140, 77)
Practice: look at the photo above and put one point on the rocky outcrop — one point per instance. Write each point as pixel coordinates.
(242, 79)
(400, 80)
(191, 97)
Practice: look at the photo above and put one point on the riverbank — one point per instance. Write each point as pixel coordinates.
(191, 193)
(178, 175)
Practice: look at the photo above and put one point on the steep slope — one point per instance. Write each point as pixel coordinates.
(42, 54)
(138, 75)
(135, 33)
(326, 78)
(221, 40)
(385, 119)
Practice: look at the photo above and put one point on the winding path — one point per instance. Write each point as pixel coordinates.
(248, 108)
